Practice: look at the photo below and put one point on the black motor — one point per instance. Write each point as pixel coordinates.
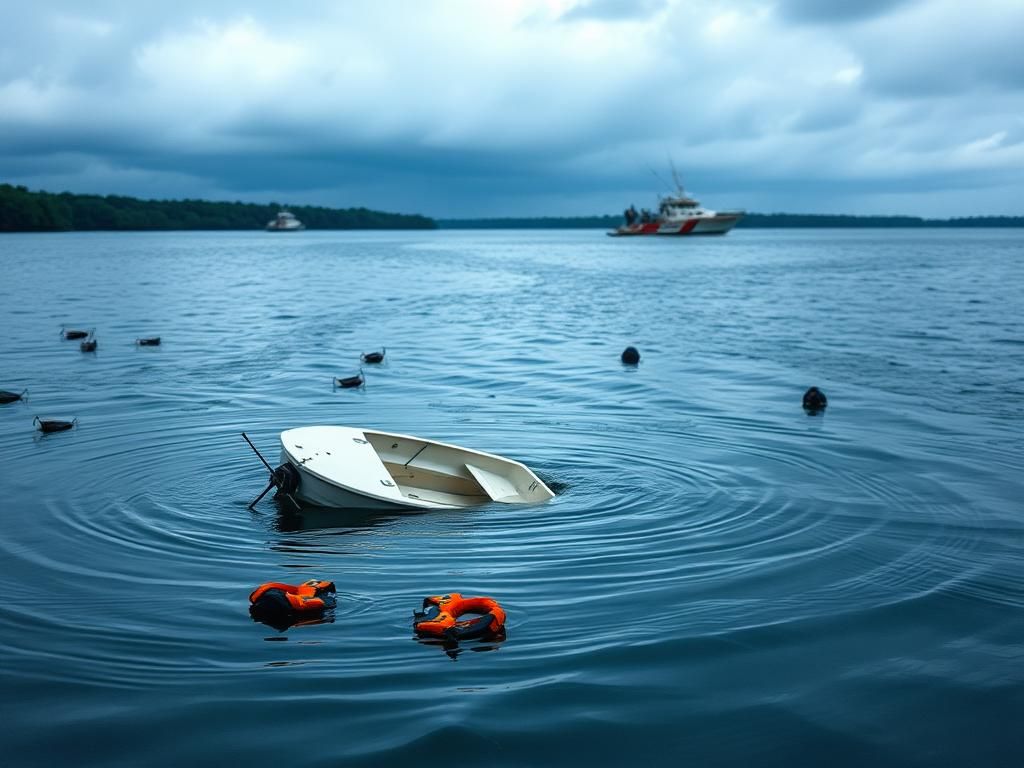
(287, 478)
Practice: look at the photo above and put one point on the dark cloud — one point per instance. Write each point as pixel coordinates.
(828, 113)
(462, 110)
(836, 11)
(960, 54)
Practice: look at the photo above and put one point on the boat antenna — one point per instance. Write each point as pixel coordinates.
(658, 177)
(675, 177)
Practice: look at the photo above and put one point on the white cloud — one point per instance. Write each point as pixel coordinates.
(28, 102)
(848, 75)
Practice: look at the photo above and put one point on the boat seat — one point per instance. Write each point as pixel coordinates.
(439, 460)
(396, 450)
(496, 486)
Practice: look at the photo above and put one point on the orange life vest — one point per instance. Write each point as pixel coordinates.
(312, 595)
(440, 617)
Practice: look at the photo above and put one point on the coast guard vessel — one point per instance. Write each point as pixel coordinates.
(678, 214)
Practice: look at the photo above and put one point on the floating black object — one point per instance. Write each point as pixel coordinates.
(349, 382)
(630, 356)
(70, 335)
(814, 401)
(88, 346)
(10, 397)
(54, 425)
(152, 341)
(374, 357)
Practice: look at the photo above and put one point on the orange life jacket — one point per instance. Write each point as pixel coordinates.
(312, 595)
(440, 617)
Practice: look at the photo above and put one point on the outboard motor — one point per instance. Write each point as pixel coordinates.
(287, 478)
(284, 477)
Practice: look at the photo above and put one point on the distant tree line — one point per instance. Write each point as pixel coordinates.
(541, 222)
(768, 220)
(25, 211)
(750, 220)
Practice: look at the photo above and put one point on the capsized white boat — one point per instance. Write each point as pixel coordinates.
(367, 469)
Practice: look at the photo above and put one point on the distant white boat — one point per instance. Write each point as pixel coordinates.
(285, 221)
(366, 469)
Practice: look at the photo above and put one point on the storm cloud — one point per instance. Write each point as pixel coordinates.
(460, 109)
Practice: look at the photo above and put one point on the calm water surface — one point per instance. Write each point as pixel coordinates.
(722, 579)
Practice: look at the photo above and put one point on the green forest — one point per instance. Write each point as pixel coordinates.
(24, 211)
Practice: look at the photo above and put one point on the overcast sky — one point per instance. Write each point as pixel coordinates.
(529, 107)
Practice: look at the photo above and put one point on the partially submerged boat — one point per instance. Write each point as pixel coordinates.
(70, 335)
(11, 397)
(367, 469)
(54, 425)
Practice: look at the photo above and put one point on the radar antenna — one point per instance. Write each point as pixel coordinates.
(658, 177)
(675, 177)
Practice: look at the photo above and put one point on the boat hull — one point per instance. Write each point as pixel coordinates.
(321, 493)
(718, 224)
(364, 469)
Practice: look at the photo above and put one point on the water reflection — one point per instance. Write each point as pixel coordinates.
(282, 622)
(452, 648)
(309, 517)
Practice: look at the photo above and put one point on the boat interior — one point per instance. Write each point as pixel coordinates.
(429, 472)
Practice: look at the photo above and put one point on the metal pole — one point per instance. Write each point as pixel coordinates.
(270, 469)
(256, 501)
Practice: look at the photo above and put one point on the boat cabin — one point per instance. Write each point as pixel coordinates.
(672, 207)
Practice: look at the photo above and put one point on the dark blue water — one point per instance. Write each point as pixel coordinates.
(722, 580)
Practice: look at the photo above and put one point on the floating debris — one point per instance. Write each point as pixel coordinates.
(89, 345)
(373, 357)
(54, 425)
(350, 382)
(814, 401)
(630, 356)
(71, 335)
(11, 397)
(152, 341)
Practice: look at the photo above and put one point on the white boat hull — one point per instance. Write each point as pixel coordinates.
(285, 222)
(367, 469)
(718, 224)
